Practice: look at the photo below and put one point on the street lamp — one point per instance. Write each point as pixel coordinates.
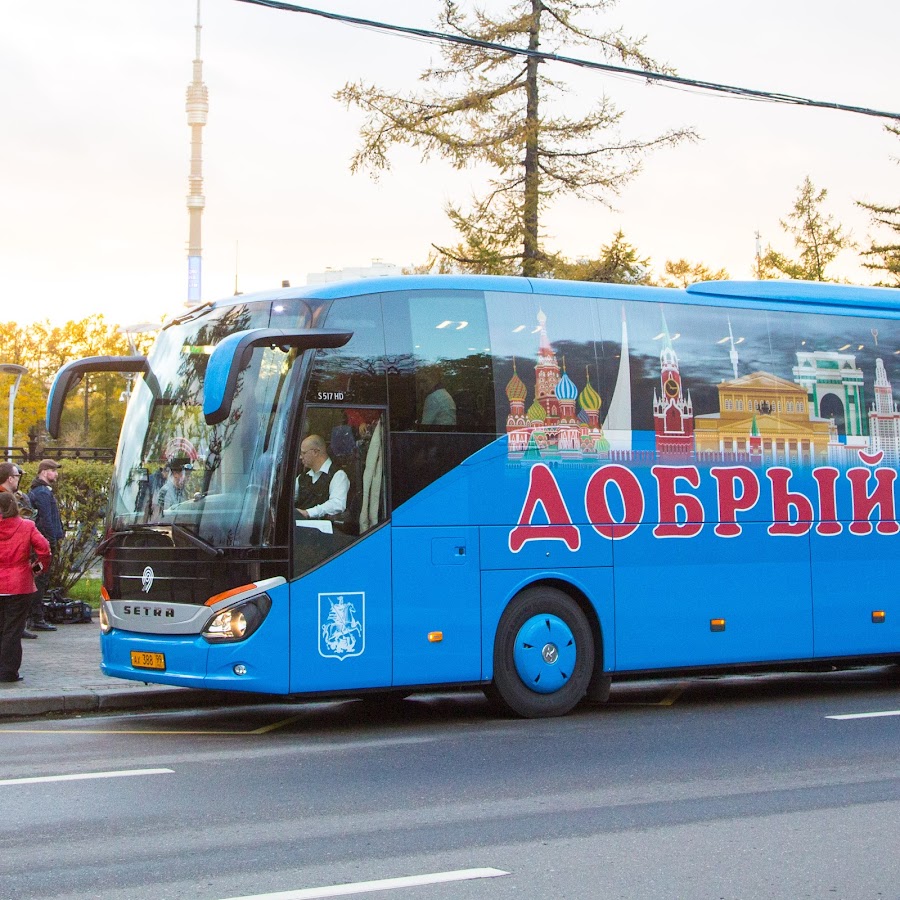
(129, 331)
(18, 371)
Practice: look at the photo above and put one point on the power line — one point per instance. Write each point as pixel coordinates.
(656, 77)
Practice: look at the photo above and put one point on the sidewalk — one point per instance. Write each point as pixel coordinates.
(62, 675)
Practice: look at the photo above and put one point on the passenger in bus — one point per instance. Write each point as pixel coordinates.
(322, 489)
(175, 489)
(440, 408)
(148, 488)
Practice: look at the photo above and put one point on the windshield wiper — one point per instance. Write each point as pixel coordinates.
(193, 313)
(192, 538)
(180, 530)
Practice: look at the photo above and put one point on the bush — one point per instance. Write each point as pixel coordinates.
(81, 491)
(88, 589)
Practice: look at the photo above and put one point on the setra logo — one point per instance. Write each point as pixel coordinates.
(133, 609)
(147, 580)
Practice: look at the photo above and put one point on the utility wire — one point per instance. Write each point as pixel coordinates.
(655, 77)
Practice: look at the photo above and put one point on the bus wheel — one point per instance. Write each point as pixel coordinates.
(543, 654)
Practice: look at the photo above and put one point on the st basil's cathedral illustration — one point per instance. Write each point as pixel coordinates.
(552, 426)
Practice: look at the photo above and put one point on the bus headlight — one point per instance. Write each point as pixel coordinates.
(105, 627)
(239, 621)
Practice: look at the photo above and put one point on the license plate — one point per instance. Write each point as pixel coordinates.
(140, 659)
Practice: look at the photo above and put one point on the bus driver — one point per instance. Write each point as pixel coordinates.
(321, 492)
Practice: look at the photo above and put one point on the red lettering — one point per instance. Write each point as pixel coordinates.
(730, 502)
(792, 513)
(826, 477)
(680, 515)
(630, 494)
(864, 503)
(543, 489)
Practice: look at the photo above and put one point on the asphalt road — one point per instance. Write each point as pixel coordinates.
(736, 788)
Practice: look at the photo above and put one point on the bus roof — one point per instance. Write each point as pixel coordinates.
(810, 295)
(818, 293)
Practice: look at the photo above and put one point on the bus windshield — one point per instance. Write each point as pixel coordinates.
(217, 481)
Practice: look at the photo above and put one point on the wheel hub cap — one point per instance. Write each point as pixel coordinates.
(545, 653)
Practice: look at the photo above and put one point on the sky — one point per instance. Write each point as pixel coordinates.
(95, 146)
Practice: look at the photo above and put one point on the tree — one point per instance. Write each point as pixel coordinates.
(492, 108)
(817, 238)
(618, 263)
(82, 493)
(93, 413)
(884, 255)
(679, 273)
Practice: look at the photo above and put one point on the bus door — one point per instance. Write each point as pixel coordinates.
(437, 605)
(341, 592)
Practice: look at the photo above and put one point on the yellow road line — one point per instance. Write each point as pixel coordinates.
(668, 700)
(265, 729)
(672, 696)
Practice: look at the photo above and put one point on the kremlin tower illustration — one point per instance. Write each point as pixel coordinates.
(673, 414)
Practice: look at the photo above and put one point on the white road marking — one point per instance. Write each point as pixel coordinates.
(124, 773)
(871, 715)
(384, 884)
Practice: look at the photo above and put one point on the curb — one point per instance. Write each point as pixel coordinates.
(28, 704)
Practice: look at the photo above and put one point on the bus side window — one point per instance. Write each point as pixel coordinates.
(353, 373)
(354, 443)
(439, 362)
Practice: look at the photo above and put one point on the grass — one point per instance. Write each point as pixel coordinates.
(87, 589)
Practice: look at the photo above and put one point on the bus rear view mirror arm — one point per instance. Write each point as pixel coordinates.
(233, 353)
(70, 375)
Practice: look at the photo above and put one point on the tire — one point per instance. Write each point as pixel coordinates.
(543, 654)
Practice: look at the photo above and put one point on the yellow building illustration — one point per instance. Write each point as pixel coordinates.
(785, 429)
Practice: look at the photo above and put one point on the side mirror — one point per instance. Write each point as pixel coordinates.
(70, 375)
(232, 354)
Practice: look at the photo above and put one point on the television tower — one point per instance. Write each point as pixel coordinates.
(197, 108)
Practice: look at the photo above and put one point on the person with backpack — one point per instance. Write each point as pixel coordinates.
(49, 523)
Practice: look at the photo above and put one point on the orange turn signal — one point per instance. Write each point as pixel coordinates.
(878, 616)
(435, 637)
(104, 593)
(226, 594)
(716, 624)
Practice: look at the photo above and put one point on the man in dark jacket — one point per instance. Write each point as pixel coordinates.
(49, 524)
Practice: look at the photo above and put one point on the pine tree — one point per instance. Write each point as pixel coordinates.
(884, 255)
(618, 263)
(679, 273)
(494, 108)
(816, 237)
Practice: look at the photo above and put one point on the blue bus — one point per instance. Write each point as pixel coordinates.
(546, 486)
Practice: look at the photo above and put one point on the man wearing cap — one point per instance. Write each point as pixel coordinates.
(49, 524)
(11, 480)
(175, 489)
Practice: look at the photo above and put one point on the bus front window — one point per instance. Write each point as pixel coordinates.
(174, 469)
